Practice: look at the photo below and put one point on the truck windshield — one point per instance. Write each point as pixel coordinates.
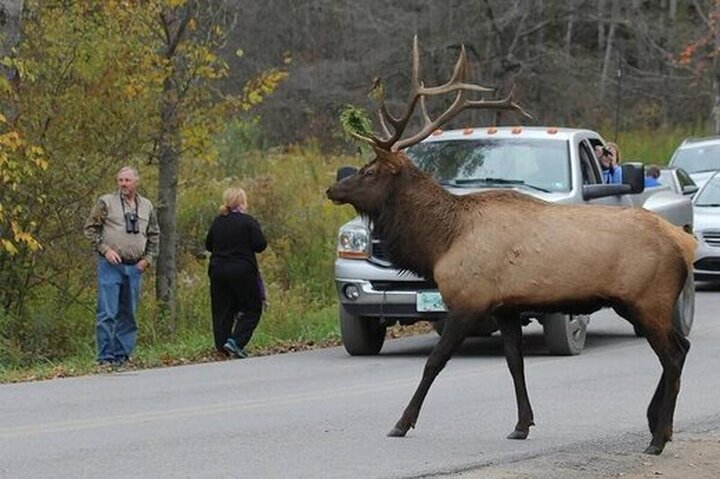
(538, 164)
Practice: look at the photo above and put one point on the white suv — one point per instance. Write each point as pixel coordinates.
(700, 157)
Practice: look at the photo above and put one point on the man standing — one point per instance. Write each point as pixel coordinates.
(124, 230)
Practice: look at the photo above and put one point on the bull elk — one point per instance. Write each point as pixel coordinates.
(499, 253)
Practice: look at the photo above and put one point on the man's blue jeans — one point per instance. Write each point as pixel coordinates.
(117, 299)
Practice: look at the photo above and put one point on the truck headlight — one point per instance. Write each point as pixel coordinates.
(353, 242)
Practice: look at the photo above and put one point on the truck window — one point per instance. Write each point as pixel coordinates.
(541, 164)
(588, 165)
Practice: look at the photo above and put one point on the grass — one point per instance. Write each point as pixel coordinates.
(319, 330)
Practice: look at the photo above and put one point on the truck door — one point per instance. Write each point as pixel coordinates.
(591, 175)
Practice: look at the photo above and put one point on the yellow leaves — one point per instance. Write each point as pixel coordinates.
(41, 163)
(9, 247)
(10, 140)
(19, 236)
(257, 89)
(24, 237)
(19, 162)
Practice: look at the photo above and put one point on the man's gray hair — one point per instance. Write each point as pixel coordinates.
(131, 169)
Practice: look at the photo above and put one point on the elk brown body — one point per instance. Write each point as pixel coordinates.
(500, 253)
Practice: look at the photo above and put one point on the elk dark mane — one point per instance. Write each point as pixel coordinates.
(414, 241)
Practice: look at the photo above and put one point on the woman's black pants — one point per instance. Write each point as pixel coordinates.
(235, 299)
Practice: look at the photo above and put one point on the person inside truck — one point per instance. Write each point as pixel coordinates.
(608, 157)
(652, 173)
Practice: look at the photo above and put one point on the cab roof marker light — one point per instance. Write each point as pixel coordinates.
(552, 130)
(437, 132)
(516, 130)
(467, 131)
(492, 131)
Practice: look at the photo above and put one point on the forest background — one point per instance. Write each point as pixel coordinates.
(201, 95)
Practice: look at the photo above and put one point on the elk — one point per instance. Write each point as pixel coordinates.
(499, 253)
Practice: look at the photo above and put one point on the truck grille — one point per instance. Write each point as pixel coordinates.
(708, 264)
(712, 238)
(378, 254)
(403, 285)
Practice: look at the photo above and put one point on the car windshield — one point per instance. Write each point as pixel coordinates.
(698, 158)
(542, 165)
(710, 194)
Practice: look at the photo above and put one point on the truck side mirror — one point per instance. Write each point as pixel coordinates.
(344, 172)
(633, 174)
(689, 189)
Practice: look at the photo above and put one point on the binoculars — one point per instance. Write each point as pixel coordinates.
(132, 225)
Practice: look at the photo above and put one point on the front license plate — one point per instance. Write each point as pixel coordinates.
(429, 302)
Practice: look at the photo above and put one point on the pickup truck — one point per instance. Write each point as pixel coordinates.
(554, 164)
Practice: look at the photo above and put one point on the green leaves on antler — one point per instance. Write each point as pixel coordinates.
(355, 123)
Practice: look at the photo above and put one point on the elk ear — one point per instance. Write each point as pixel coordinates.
(392, 160)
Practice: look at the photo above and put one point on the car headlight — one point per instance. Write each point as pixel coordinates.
(353, 242)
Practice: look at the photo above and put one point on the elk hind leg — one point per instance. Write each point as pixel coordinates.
(454, 333)
(511, 329)
(671, 348)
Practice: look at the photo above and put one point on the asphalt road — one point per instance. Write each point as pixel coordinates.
(324, 414)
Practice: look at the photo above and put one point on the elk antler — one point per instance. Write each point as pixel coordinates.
(418, 93)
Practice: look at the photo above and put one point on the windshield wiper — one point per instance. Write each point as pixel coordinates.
(708, 204)
(498, 181)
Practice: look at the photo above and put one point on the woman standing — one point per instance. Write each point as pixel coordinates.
(233, 240)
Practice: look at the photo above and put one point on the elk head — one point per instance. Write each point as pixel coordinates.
(367, 190)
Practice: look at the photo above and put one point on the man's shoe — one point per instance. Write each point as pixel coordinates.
(234, 350)
(105, 366)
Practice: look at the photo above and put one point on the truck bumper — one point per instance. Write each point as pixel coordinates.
(389, 294)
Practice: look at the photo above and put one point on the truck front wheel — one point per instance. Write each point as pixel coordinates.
(565, 333)
(361, 336)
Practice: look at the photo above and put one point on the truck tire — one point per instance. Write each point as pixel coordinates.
(684, 311)
(361, 336)
(564, 333)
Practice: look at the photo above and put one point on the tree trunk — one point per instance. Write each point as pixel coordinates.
(174, 24)
(569, 30)
(10, 16)
(716, 74)
(716, 89)
(608, 49)
(169, 159)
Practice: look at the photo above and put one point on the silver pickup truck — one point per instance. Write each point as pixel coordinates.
(554, 164)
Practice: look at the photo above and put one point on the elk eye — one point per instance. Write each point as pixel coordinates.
(370, 173)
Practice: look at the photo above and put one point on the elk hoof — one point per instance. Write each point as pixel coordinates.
(397, 432)
(654, 450)
(518, 435)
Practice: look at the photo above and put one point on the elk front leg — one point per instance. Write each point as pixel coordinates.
(511, 329)
(452, 337)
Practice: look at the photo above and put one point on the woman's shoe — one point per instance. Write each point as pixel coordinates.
(234, 350)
